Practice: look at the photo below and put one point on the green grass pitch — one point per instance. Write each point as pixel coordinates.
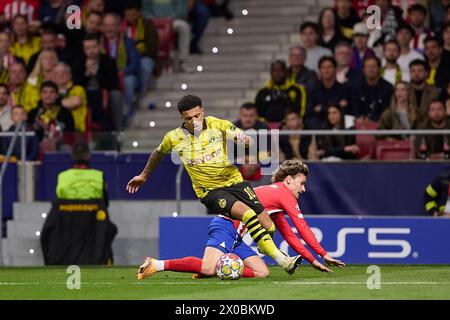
(397, 282)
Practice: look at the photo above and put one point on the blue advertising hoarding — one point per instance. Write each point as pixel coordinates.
(357, 240)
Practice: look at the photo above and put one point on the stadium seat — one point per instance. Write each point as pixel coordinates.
(393, 150)
(164, 26)
(366, 143)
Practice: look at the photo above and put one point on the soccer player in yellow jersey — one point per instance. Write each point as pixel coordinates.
(201, 144)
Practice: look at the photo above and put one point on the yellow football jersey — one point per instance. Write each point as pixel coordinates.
(205, 156)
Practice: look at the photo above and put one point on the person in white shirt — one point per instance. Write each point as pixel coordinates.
(407, 55)
(5, 109)
(309, 34)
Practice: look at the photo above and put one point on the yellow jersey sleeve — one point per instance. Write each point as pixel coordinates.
(166, 144)
(229, 129)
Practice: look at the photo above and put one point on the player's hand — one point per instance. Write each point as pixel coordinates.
(333, 262)
(318, 266)
(135, 183)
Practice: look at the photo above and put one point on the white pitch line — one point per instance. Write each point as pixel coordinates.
(313, 283)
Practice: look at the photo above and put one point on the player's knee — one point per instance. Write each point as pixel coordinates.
(262, 273)
(208, 270)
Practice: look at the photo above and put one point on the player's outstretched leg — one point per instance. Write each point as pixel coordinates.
(263, 239)
(152, 266)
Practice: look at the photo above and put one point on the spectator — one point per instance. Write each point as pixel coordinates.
(5, 108)
(329, 32)
(50, 118)
(43, 70)
(97, 73)
(6, 57)
(199, 17)
(438, 14)
(309, 34)
(436, 198)
(294, 146)
(248, 118)
(446, 40)
(391, 18)
(326, 92)
(391, 71)
(279, 95)
(53, 11)
(178, 11)
(27, 8)
(18, 114)
(346, 17)
(24, 44)
(345, 74)
(373, 94)
(401, 114)
(21, 92)
(447, 101)
(123, 51)
(421, 92)
(251, 172)
(146, 39)
(336, 146)
(298, 73)
(360, 49)
(73, 97)
(439, 68)
(89, 6)
(435, 146)
(49, 41)
(404, 36)
(417, 15)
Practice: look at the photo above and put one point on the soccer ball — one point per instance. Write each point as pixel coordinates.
(229, 267)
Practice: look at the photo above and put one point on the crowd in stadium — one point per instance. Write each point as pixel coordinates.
(344, 75)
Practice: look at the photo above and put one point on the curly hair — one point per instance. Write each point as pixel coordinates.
(289, 168)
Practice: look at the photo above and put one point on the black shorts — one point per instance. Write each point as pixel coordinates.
(220, 201)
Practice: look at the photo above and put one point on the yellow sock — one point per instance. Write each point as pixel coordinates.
(261, 237)
(272, 230)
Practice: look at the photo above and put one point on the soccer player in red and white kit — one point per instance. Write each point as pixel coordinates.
(289, 182)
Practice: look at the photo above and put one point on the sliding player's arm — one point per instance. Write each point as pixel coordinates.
(153, 161)
(306, 234)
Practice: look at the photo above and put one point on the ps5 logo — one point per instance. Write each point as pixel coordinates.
(373, 238)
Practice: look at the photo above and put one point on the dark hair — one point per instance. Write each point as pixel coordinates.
(372, 58)
(309, 24)
(446, 25)
(248, 106)
(49, 84)
(435, 101)
(290, 111)
(133, 4)
(95, 13)
(405, 26)
(319, 22)
(343, 44)
(289, 168)
(431, 39)
(90, 37)
(48, 31)
(417, 7)
(19, 16)
(80, 151)
(280, 62)
(189, 102)
(419, 62)
(329, 59)
(3, 85)
(391, 41)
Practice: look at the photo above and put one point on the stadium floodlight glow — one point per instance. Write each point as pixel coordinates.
(244, 12)
(199, 68)
(175, 214)
(215, 50)
(230, 31)
(44, 215)
(168, 104)
(38, 233)
(135, 144)
(152, 124)
(31, 251)
(183, 86)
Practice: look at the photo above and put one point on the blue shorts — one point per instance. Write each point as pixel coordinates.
(223, 236)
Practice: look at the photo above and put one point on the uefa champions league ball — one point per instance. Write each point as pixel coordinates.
(229, 267)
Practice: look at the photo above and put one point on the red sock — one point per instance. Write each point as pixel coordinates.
(248, 273)
(187, 264)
